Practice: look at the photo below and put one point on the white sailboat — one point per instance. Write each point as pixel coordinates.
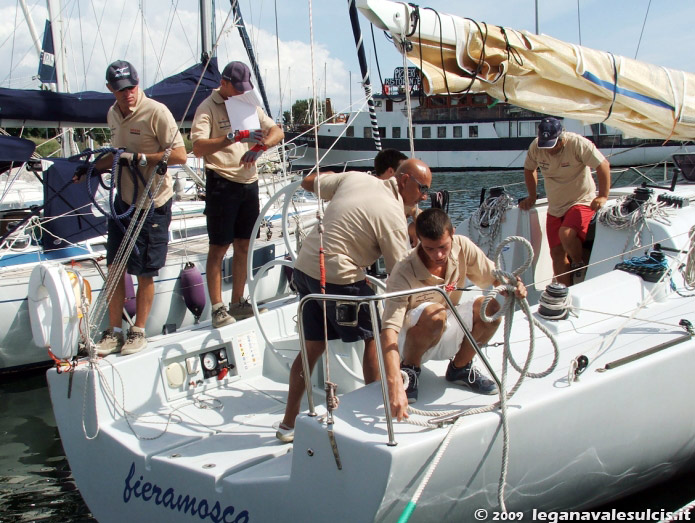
(185, 429)
(39, 240)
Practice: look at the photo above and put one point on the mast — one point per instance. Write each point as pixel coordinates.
(207, 29)
(143, 43)
(62, 84)
(32, 28)
(357, 32)
(289, 83)
(54, 15)
(277, 50)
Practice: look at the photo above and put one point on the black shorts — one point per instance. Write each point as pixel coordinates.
(150, 251)
(231, 208)
(313, 310)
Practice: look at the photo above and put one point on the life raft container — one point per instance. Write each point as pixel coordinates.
(53, 310)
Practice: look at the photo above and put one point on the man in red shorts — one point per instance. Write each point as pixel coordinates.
(566, 160)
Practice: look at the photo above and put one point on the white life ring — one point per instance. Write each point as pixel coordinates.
(53, 310)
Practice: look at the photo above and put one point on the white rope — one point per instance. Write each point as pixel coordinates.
(508, 287)
(615, 217)
(485, 222)
(120, 262)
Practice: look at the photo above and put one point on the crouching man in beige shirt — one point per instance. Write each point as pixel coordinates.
(418, 327)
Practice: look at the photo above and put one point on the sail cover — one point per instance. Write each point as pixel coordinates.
(41, 108)
(539, 72)
(14, 151)
(68, 217)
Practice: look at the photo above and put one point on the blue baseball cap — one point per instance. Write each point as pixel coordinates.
(549, 130)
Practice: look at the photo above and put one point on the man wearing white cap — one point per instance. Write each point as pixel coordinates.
(145, 128)
(566, 160)
(231, 186)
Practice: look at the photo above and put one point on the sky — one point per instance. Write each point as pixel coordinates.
(100, 32)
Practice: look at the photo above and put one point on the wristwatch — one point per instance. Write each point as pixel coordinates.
(142, 160)
(230, 136)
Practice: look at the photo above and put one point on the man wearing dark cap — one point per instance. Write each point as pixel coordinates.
(145, 128)
(231, 185)
(566, 160)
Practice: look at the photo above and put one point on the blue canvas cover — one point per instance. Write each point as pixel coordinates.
(14, 151)
(41, 108)
(73, 207)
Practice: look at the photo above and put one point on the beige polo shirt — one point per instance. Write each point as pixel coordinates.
(567, 174)
(465, 260)
(149, 128)
(363, 221)
(212, 121)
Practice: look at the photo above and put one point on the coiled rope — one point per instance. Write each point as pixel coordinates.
(507, 289)
(620, 217)
(485, 223)
(118, 267)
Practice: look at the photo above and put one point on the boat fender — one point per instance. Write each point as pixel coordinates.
(129, 304)
(53, 310)
(193, 290)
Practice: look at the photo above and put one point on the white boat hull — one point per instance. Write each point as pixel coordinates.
(573, 445)
(188, 243)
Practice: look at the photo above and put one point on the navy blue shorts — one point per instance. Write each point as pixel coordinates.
(150, 251)
(231, 208)
(313, 310)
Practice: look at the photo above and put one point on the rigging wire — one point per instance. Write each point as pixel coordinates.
(16, 10)
(579, 23)
(184, 32)
(168, 26)
(642, 31)
(378, 68)
(98, 33)
(84, 65)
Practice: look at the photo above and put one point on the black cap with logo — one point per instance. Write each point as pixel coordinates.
(121, 75)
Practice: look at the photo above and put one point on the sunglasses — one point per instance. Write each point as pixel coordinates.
(424, 189)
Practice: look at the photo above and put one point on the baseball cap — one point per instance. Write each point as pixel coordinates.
(239, 75)
(121, 74)
(549, 130)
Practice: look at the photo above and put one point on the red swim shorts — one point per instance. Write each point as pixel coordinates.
(577, 217)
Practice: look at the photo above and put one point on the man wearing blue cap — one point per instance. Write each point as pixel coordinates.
(231, 186)
(145, 128)
(566, 160)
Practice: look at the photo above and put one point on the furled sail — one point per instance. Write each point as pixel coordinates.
(539, 72)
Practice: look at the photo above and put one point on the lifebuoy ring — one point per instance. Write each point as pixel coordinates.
(53, 310)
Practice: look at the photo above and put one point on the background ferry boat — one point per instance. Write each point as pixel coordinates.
(460, 132)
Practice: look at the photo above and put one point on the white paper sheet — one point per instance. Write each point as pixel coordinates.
(242, 115)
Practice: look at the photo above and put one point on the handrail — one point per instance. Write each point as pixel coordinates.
(371, 300)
